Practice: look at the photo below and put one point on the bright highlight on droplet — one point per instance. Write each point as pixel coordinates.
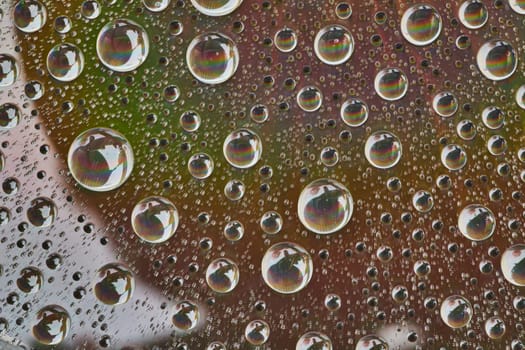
(497, 60)
(476, 222)
(334, 44)
(391, 84)
(65, 62)
(421, 25)
(242, 148)
(383, 149)
(155, 219)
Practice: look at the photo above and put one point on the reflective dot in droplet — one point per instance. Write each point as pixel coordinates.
(271, 222)
(497, 145)
(8, 70)
(122, 45)
(399, 293)
(332, 302)
(175, 28)
(9, 116)
(190, 121)
(517, 6)
(114, 284)
(171, 93)
(242, 148)
(285, 40)
(234, 190)
(257, 332)
(42, 212)
(463, 42)
(186, 315)
(466, 130)
(476, 222)
(29, 15)
(383, 149)
(155, 219)
(63, 24)
(309, 98)
(90, 9)
(343, 10)
(493, 117)
(52, 325)
(222, 275)
(100, 159)
(216, 7)
(453, 157)
(325, 206)
(391, 84)
(329, 156)
(422, 268)
(495, 327)
(421, 25)
(314, 341)
(393, 184)
(473, 14)
(456, 311)
(212, 58)
(520, 97)
(497, 59)
(200, 166)
(445, 104)
(156, 5)
(513, 264)
(334, 44)
(30, 280)
(259, 113)
(34, 90)
(422, 201)
(233, 231)
(65, 62)
(286, 267)
(354, 112)
(371, 342)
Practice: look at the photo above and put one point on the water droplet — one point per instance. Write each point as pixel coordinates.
(473, 14)
(422, 201)
(520, 97)
(9, 116)
(314, 341)
(329, 156)
(155, 219)
(343, 10)
(383, 149)
(8, 70)
(171, 93)
(271, 222)
(371, 342)
(259, 113)
(90, 9)
(200, 166)
(222, 275)
(453, 157)
(233, 231)
(497, 60)
(495, 327)
(216, 345)
(30, 280)
(466, 130)
(114, 284)
(65, 62)
(242, 148)
(445, 104)
(257, 332)
(391, 84)
(285, 40)
(354, 112)
(52, 325)
(421, 25)
(513, 265)
(456, 311)
(63, 24)
(309, 98)
(29, 15)
(476, 222)
(185, 316)
(332, 302)
(497, 145)
(34, 90)
(156, 5)
(399, 293)
(493, 117)
(517, 6)
(42, 212)
(334, 44)
(216, 7)
(234, 190)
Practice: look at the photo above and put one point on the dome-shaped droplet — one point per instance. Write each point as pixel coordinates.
(453, 157)
(314, 341)
(517, 6)
(257, 332)
(493, 117)
(114, 284)
(259, 113)
(285, 40)
(30, 280)
(309, 98)
(216, 7)
(422, 201)
(421, 25)
(200, 166)
(354, 112)
(65, 62)
(9, 116)
(513, 265)
(234, 190)
(156, 5)
(222, 275)
(242, 148)
(90, 9)
(334, 44)
(271, 222)
(29, 15)
(391, 84)
(371, 342)
(329, 156)
(155, 219)
(343, 10)
(497, 145)
(42, 212)
(445, 104)
(234, 230)
(190, 121)
(383, 149)
(520, 97)
(476, 222)
(473, 14)
(497, 60)
(456, 311)
(495, 327)
(52, 325)
(63, 24)
(185, 315)
(466, 130)
(8, 70)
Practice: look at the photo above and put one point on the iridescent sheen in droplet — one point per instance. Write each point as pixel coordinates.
(445, 104)
(242, 148)
(65, 62)
(354, 112)
(310, 98)
(383, 149)
(155, 219)
(200, 166)
(334, 44)
(285, 40)
(421, 25)
(473, 14)
(391, 84)
(497, 59)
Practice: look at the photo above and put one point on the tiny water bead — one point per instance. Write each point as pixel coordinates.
(30, 280)
(497, 145)
(325, 206)
(517, 6)
(222, 275)
(332, 302)
(155, 219)
(65, 62)
(493, 117)
(354, 112)
(171, 93)
(29, 15)
(314, 341)
(100, 159)
(453, 157)
(212, 58)
(90, 9)
(200, 166)
(156, 5)
(343, 10)
(234, 190)
(257, 332)
(371, 342)
(466, 130)
(309, 98)
(520, 97)
(334, 44)
(286, 267)
(8, 70)
(445, 104)
(513, 265)
(421, 25)
(114, 284)
(285, 40)
(42, 212)
(422, 201)
(175, 28)
(473, 14)
(242, 148)
(391, 84)
(476, 222)
(122, 45)
(271, 222)
(497, 60)
(456, 311)
(9, 116)
(234, 231)
(259, 113)
(52, 325)
(216, 7)
(383, 149)
(495, 327)
(186, 315)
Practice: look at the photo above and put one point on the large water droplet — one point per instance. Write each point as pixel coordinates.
(29, 15)
(456, 311)
(242, 148)
(155, 219)
(65, 62)
(421, 25)
(497, 60)
(476, 222)
(391, 84)
(383, 149)
(114, 284)
(334, 44)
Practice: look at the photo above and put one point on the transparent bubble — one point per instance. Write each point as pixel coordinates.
(234, 231)
(286, 267)
(466, 130)
(493, 117)
(216, 345)
(29, 15)
(520, 97)
(497, 60)
(242, 148)
(259, 113)
(122, 45)
(343, 10)
(200, 166)
(445, 104)
(495, 327)
(309, 98)
(212, 58)
(30, 280)
(9, 116)
(456, 311)
(371, 342)
(314, 341)
(114, 284)
(383, 149)
(332, 302)
(517, 6)
(34, 90)
(329, 156)
(8, 70)
(155, 219)
(234, 190)
(422, 201)
(156, 5)
(513, 265)
(453, 157)
(52, 325)
(391, 84)
(190, 121)
(422, 268)
(42, 212)
(354, 112)
(100, 159)
(257, 332)
(473, 14)
(476, 222)
(421, 25)
(384, 253)
(285, 40)
(90, 9)
(463, 42)
(325, 206)
(399, 293)
(63, 24)
(171, 93)
(65, 62)
(216, 7)
(334, 44)
(175, 28)
(271, 222)
(185, 316)
(497, 145)
(222, 275)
